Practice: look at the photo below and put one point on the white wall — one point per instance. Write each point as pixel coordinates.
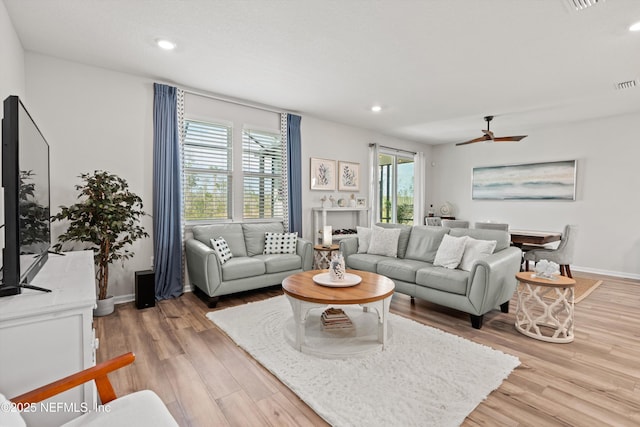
(98, 119)
(95, 119)
(334, 141)
(606, 209)
(12, 70)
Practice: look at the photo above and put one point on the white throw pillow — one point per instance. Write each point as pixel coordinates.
(364, 238)
(384, 241)
(450, 251)
(222, 249)
(474, 250)
(280, 243)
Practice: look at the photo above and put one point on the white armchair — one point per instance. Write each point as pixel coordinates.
(142, 408)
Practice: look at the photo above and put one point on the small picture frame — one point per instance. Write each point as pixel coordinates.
(361, 202)
(323, 174)
(348, 176)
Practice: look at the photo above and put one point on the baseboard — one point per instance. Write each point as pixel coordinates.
(121, 299)
(606, 272)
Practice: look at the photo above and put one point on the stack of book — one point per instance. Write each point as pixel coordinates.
(335, 318)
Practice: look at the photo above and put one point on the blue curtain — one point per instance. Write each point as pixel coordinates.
(294, 167)
(167, 197)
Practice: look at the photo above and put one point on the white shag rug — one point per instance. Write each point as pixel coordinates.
(424, 377)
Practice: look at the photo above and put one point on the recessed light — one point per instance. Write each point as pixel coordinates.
(166, 44)
(376, 108)
(635, 27)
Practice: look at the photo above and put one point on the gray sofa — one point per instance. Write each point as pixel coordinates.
(490, 283)
(249, 268)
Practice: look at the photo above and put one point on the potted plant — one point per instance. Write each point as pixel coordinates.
(106, 220)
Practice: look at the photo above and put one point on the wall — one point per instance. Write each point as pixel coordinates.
(99, 119)
(606, 209)
(95, 119)
(12, 70)
(334, 141)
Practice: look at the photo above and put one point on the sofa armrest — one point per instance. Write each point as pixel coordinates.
(348, 246)
(493, 279)
(203, 266)
(304, 248)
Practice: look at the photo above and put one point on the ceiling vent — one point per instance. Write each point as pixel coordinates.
(583, 4)
(627, 85)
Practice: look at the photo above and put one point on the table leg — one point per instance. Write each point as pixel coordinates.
(382, 309)
(300, 313)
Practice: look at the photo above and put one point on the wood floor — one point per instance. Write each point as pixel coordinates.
(205, 380)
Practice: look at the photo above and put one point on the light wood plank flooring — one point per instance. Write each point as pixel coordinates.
(205, 380)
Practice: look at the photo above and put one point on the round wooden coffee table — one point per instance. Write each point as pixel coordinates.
(305, 332)
(545, 307)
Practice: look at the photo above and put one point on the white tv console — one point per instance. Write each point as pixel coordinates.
(46, 336)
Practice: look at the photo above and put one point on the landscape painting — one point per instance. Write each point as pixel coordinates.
(533, 181)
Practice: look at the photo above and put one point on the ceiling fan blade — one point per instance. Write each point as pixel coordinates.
(509, 138)
(481, 139)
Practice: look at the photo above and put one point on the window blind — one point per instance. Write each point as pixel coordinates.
(207, 154)
(262, 166)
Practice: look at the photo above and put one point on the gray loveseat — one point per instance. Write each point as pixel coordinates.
(490, 282)
(249, 268)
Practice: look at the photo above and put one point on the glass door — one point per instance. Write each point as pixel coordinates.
(395, 188)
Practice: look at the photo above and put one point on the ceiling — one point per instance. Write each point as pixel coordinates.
(435, 66)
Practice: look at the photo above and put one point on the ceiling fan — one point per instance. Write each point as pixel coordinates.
(489, 136)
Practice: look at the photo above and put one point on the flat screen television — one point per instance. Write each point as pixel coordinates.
(25, 178)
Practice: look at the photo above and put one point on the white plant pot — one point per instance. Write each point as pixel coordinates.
(104, 308)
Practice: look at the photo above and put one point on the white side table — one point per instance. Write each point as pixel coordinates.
(545, 307)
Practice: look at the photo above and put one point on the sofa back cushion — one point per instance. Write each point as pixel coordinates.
(502, 238)
(424, 242)
(403, 240)
(254, 233)
(232, 233)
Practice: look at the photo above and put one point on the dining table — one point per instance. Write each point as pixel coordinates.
(519, 238)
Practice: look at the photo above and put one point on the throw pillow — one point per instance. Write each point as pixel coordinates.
(222, 249)
(384, 241)
(364, 238)
(280, 243)
(474, 250)
(450, 251)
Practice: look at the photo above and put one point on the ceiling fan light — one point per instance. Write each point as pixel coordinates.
(635, 27)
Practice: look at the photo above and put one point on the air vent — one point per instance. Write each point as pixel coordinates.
(627, 85)
(583, 4)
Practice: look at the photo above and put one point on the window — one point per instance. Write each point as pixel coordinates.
(207, 160)
(262, 158)
(395, 186)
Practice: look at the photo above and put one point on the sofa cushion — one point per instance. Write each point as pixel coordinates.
(401, 269)
(475, 250)
(364, 238)
(403, 240)
(241, 267)
(232, 233)
(384, 242)
(443, 279)
(221, 249)
(254, 235)
(450, 251)
(280, 243)
(280, 263)
(502, 238)
(424, 242)
(366, 262)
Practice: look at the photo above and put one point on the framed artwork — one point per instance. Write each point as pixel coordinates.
(361, 202)
(323, 174)
(531, 181)
(348, 176)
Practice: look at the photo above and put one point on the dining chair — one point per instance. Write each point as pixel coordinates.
(562, 256)
(455, 223)
(492, 226)
(433, 221)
